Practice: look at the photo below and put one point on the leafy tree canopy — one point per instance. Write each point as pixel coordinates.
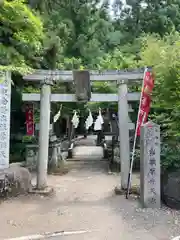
(21, 33)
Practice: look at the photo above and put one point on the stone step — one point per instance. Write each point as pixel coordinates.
(85, 161)
(88, 165)
(88, 153)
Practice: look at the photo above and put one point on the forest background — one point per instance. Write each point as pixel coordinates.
(99, 34)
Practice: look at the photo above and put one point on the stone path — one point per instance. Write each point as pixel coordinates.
(85, 200)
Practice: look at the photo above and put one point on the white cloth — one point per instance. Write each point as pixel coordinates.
(75, 120)
(57, 116)
(89, 121)
(98, 123)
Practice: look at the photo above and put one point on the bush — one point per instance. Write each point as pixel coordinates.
(164, 54)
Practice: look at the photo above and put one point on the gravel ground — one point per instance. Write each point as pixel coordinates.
(85, 200)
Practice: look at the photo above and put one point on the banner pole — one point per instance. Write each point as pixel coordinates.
(134, 143)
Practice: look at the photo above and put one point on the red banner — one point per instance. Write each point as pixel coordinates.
(29, 120)
(145, 101)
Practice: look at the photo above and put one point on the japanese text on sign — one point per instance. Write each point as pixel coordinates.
(151, 152)
(29, 120)
(5, 98)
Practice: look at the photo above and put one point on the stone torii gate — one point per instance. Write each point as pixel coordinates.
(47, 78)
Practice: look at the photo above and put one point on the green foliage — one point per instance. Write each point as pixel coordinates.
(146, 16)
(170, 156)
(21, 33)
(29, 139)
(73, 34)
(116, 60)
(76, 29)
(164, 54)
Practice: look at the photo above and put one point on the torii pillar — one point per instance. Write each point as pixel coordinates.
(45, 108)
(123, 132)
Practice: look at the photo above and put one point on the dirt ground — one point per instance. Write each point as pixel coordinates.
(85, 200)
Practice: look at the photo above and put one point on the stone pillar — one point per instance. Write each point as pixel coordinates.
(44, 134)
(123, 133)
(5, 110)
(150, 166)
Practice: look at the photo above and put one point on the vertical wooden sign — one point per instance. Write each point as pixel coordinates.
(5, 109)
(82, 85)
(30, 120)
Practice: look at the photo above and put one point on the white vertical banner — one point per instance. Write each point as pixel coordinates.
(5, 110)
(58, 114)
(75, 119)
